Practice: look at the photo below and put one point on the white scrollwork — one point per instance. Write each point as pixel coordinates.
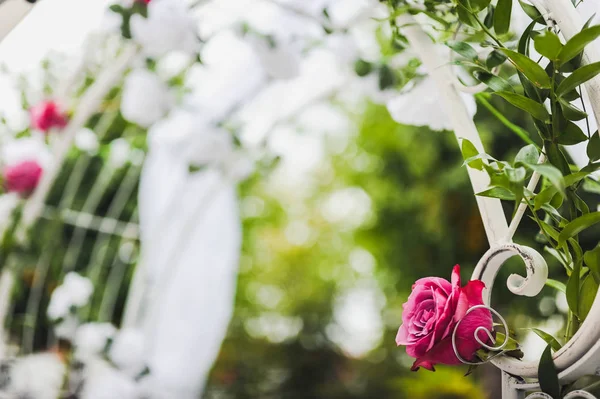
(492, 261)
(498, 349)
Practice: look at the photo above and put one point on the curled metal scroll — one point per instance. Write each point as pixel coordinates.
(535, 266)
(499, 349)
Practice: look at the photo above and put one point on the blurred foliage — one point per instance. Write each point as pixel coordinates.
(423, 220)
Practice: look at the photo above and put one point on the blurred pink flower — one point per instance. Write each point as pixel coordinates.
(22, 178)
(47, 115)
(430, 315)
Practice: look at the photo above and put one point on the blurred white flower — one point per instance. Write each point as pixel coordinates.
(200, 143)
(343, 46)
(119, 153)
(102, 381)
(38, 376)
(91, 338)
(170, 26)
(146, 99)
(279, 60)
(75, 291)
(422, 107)
(26, 149)
(67, 328)
(87, 140)
(127, 351)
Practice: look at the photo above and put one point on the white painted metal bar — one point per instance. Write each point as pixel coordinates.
(491, 211)
(565, 16)
(516, 220)
(101, 224)
(11, 13)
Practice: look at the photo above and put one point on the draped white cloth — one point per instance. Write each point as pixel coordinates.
(193, 272)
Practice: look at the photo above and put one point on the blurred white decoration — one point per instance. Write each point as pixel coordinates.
(38, 376)
(185, 134)
(26, 149)
(170, 26)
(67, 328)
(421, 107)
(75, 291)
(198, 255)
(280, 61)
(91, 338)
(119, 153)
(231, 73)
(146, 99)
(86, 140)
(103, 381)
(127, 351)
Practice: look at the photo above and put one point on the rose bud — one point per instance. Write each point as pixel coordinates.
(430, 315)
(47, 115)
(22, 178)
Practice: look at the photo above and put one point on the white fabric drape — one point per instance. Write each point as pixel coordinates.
(194, 276)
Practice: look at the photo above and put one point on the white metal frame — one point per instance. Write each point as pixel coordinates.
(581, 355)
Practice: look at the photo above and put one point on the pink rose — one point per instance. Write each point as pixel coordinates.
(432, 311)
(23, 177)
(47, 115)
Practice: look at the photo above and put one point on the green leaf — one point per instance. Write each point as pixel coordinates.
(548, 44)
(502, 16)
(589, 288)
(475, 5)
(469, 152)
(577, 43)
(556, 157)
(548, 375)
(557, 285)
(551, 231)
(550, 172)
(478, 157)
(527, 154)
(592, 260)
(578, 77)
(534, 108)
(578, 225)
(571, 112)
(550, 340)
(498, 192)
(465, 16)
(192, 168)
(387, 77)
(544, 197)
(532, 12)
(571, 134)
(593, 148)
(529, 68)
(463, 49)
(488, 21)
(573, 289)
(363, 68)
(494, 82)
(494, 59)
